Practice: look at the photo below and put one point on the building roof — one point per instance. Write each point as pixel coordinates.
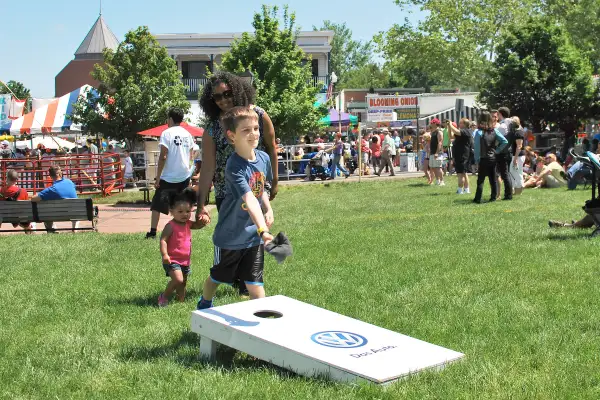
(97, 39)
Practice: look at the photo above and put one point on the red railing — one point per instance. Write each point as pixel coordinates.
(91, 173)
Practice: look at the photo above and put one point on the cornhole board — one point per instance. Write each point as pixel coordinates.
(315, 342)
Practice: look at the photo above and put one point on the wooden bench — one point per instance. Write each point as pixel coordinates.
(146, 192)
(66, 210)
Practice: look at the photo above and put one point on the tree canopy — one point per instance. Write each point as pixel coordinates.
(284, 86)
(138, 84)
(541, 76)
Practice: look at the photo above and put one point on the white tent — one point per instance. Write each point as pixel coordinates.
(48, 142)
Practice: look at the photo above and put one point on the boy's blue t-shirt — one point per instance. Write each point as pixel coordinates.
(235, 229)
(61, 189)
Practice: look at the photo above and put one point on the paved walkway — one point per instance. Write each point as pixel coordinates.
(136, 219)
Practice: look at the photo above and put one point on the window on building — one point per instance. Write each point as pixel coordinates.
(314, 66)
(194, 69)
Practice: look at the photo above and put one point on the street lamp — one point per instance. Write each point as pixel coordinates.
(334, 80)
(247, 76)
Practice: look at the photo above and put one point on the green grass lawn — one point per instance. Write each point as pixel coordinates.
(490, 280)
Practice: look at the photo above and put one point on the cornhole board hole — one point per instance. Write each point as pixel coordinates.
(315, 342)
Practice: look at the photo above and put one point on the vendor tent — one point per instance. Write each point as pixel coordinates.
(47, 141)
(156, 132)
(53, 117)
(333, 118)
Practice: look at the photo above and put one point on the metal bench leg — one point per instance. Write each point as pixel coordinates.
(208, 349)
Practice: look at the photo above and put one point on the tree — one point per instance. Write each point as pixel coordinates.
(371, 76)
(347, 55)
(19, 91)
(541, 77)
(282, 82)
(17, 88)
(580, 18)
(138, 83)
(455, 42)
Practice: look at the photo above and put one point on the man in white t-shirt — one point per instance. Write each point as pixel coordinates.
(173, 174)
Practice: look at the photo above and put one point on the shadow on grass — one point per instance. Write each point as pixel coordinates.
(149, 300)
(580, 235)
(186, 352)
(422, 184)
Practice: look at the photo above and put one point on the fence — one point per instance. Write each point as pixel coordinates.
(91, 173)
(291, 167)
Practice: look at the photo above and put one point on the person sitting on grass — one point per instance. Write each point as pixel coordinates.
(551, 176)
(246, 214)
(176, 243)
(11, 192)
(533, 181)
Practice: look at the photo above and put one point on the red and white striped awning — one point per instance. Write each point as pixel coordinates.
(53, 117)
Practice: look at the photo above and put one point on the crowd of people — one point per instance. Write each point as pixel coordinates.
(493, 148)
(240, 157)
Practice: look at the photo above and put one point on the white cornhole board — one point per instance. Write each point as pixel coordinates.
(312, 341)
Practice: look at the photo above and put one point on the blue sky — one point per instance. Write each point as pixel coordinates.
(43, 35)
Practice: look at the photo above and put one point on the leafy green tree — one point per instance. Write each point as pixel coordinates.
(455, 42)
(19, 90)
(283, 83)
(347, 55)
(138, 83)
(372, 76)
(581, 19)
(541, 77)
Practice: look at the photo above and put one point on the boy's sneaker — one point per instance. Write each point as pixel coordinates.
(459, 191)
(467, 191)
(442, 183)
(150, 235)
(204, 304)
(162, 300)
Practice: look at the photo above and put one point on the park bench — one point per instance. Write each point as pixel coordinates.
(66, 210)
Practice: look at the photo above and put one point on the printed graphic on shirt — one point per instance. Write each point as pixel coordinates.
(257, 184)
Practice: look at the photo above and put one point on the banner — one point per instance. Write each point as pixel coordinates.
(5, 102)
(407, 115)
(380, 115)
(403, 123)
(16, 109)
(392, 102)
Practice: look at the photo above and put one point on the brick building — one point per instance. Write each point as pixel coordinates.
(77, 72)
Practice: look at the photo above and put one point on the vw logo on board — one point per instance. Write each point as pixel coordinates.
(339, 339)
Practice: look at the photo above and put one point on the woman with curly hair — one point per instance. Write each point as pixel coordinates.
(224, 91)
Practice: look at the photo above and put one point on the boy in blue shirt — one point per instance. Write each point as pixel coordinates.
(246, 214)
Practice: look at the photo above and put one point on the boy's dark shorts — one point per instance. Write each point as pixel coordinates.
(247, 264)
(160, 201)
(186, 270)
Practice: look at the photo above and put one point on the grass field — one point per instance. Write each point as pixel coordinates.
(490, 280)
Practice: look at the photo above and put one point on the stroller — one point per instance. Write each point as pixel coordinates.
(592, 207)
(318, 166)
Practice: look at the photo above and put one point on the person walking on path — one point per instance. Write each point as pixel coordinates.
(387, 150)
(338, 153)
(173, 174)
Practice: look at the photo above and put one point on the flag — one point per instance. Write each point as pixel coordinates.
(15, 110)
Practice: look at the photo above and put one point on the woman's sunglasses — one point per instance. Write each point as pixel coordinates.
(228, 94)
